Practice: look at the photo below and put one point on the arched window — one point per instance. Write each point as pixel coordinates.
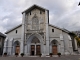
(35, 23)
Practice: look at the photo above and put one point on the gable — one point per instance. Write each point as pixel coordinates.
(33, 7)
(64, 30)
(35, 18)
(13, 29)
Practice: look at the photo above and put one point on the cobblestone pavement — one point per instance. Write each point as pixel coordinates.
(75, 57)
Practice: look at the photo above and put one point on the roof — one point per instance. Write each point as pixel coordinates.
(32, 7)
(65, 30)
(13, 28)
(1, 34)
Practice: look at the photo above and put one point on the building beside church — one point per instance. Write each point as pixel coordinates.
(2, 38)
(35, 35)
(77, 33)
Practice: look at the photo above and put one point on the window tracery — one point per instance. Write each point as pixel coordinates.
(35, 23)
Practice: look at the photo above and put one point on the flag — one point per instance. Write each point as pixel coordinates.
(79, 4)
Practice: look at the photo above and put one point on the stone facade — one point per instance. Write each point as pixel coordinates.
(35, 35)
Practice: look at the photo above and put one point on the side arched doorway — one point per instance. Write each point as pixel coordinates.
(17, 47)
(54, 44)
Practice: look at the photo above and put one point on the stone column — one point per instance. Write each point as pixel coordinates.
(25, 31)
(5, 45)
(61, 44)
(10, 44)
(47, 32)
(59, 48)
(35, 50)
(23, 35)
(13, 51)
(26, 53)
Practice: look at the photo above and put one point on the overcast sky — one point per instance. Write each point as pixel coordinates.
(62, 13)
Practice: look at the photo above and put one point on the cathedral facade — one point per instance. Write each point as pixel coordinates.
(36, 36)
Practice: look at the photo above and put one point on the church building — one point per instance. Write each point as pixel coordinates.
(36, 36)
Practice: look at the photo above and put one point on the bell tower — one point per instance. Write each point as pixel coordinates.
(36, 20)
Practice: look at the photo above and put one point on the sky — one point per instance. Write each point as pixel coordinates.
(62, 13)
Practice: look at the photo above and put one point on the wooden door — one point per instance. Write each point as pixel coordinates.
(54, 50)
(17, 49)
(38, 49)
(32, 49)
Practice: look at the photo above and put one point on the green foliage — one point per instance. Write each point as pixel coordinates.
(76, 37)
(16, 53)
(22, 54)
(5, 53)
(50, 54)
(40, 54)
(58, 53)
(78, 40)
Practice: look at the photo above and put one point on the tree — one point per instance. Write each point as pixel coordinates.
(76, 38)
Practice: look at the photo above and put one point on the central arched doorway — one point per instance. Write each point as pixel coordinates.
(35, 46)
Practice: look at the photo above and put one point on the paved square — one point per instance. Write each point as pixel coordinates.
(69, 57)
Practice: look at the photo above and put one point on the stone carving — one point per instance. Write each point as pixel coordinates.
(27, 35)
(42, 34)
(35, 23)
(35, 40)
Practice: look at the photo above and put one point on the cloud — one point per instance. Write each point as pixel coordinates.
(63, 13)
